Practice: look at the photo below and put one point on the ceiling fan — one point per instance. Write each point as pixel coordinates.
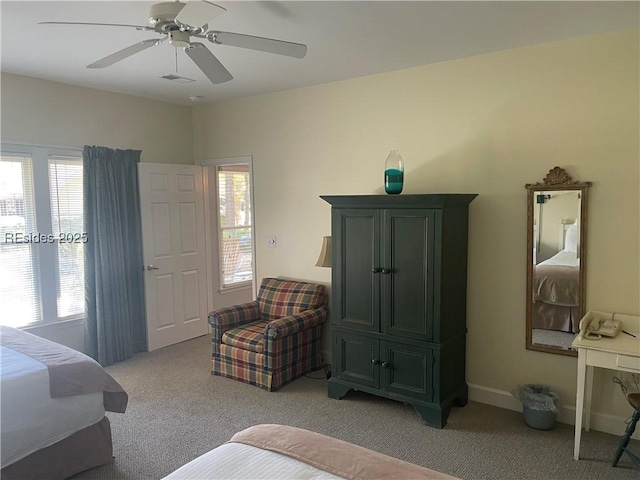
(178, 22)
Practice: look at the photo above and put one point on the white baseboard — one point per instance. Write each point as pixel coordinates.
(601, 422)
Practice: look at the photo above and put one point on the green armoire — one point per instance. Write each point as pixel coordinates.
(398, 310)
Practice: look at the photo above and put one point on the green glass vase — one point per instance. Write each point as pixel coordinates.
(393, 173)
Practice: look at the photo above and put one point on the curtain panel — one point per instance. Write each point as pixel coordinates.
(114, 282)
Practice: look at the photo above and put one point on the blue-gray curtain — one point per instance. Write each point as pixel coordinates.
(114, 283)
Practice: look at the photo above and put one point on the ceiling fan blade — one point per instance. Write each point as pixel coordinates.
(208, 63)
(198, 13)
(139, 27)
(124, 53)
(262, 44)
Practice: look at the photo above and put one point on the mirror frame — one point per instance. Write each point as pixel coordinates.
(556, 180)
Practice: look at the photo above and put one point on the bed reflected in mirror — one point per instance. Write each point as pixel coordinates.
(556, 271)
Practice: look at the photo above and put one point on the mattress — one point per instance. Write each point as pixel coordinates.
(31, 419)
(53, 400)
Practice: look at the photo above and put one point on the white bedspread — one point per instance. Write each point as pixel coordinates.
(31, 419)
(563, 258)
(239, 461)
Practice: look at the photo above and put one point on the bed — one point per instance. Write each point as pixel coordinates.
(556, 288)
(53, 401)
(284, 452)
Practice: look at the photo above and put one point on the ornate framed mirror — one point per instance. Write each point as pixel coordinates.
(556, 261)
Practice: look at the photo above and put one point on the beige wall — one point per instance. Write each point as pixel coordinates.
(48, 113)
(488, 125)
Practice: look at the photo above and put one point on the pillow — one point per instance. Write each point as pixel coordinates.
(571, 239)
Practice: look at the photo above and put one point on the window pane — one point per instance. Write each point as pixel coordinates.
(233, 193)
(19, 295)
(236, 256)
(65, 184)
(235, 224)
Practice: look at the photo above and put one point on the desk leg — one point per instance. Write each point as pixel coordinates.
(582, 364)
(587, 399)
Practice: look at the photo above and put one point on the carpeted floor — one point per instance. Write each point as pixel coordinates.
(178, 411)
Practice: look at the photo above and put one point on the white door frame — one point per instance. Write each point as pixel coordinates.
(208, 191)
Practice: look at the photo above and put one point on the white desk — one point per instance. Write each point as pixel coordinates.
(619, 353)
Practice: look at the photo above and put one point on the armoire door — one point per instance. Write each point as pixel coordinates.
(356, 284)
(357, 359)
(407, 287)
(407, 370)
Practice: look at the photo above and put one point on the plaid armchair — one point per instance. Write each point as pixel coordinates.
(273, 340)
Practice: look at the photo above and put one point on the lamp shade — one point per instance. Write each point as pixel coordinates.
(324, 260)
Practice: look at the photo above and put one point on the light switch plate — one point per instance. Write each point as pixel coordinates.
(271, 241)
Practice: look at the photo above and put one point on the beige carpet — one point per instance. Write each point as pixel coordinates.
(177, 411)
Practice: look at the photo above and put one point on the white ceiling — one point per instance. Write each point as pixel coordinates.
(345, 39)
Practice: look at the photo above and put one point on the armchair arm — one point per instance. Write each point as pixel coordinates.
(287, 326)
(230, 317)
(226, 318)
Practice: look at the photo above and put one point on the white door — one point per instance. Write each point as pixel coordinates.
(173, 237)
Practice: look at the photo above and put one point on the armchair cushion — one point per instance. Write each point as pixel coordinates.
(278, 298)
(223, 319)
(247, 337)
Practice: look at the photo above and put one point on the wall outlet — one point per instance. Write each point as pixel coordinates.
(271, 241)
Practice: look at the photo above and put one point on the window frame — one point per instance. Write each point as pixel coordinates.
(46, 254)
(220, 229)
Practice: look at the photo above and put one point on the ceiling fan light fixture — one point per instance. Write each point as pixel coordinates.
(179, 39)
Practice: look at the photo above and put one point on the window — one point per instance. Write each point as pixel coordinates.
(41, 239)
(234, 223)
(19, 289)
(65, 183)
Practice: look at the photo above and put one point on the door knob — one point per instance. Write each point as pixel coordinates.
(384, 364)
(151, 267)
(386, 270)
(375, 361)
(376, 270)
